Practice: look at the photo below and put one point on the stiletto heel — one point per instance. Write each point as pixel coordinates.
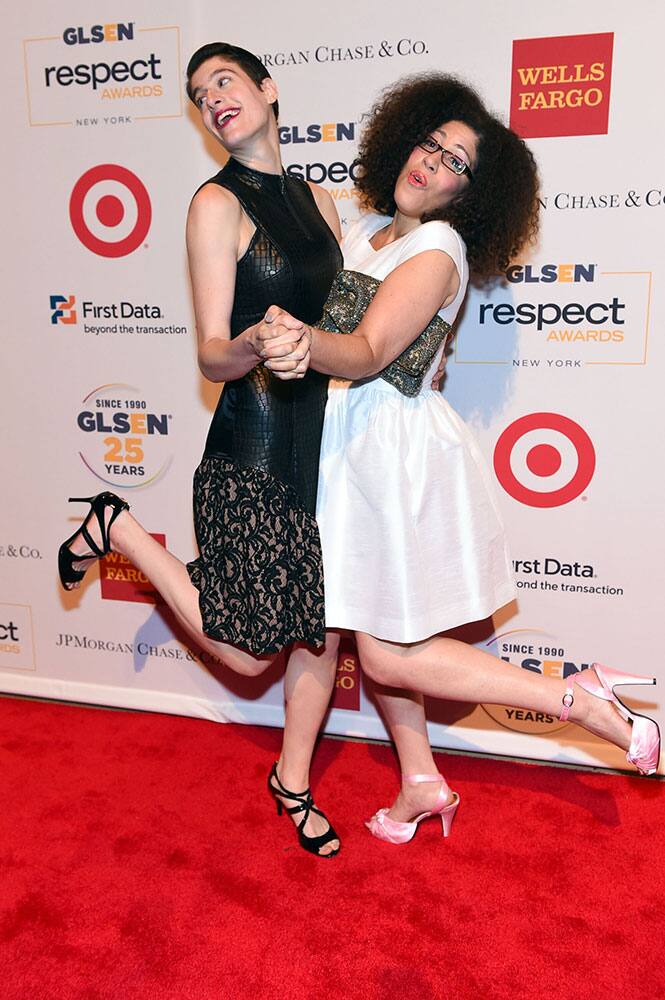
(644, 749)
(305, 805)
(448, 815)
(395, 832)
(69, 576)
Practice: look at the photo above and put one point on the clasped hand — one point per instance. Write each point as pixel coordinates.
(283, 343)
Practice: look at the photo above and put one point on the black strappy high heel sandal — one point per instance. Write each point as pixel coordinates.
(305, 806)
(66, 558)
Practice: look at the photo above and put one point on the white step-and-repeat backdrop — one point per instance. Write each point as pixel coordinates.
(557, 369)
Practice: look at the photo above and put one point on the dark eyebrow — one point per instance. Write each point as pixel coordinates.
(220, 69)
(456, 145)
(464, 149)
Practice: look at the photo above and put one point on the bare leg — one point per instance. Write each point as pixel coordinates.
(404, 715)
(309, 678)
(170, 577)
(308, 685)
(446, 668)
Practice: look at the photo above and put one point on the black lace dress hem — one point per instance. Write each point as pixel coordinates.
(259, 572)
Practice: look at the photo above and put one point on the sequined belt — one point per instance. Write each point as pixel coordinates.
(347, 303)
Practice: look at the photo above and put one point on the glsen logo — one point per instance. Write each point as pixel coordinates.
(544, 460)
(126, 440)
(547, 314)
(99, 33)
(550, 273)
(110, 210)
(540, 653)
(328, 132)
(16, 638)
(566, 314)
(347, 683)
(82, 77)
(121, 581)
(63, 309)
(561, 86)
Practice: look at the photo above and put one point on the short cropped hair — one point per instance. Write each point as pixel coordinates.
(246, 60)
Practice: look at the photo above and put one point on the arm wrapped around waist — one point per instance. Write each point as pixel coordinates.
(347, 303)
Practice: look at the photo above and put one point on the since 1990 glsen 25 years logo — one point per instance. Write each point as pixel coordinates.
(539, 652)
(561, 86)
(124, 436)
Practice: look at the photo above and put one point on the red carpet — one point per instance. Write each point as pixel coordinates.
(142, 858)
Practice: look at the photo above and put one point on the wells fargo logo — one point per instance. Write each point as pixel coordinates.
(561, 86)
(122, 581)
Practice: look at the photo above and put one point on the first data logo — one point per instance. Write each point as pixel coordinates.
(63, 309)
(103, 74)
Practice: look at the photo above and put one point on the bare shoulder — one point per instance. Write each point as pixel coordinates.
(212, 199)
(326, 207)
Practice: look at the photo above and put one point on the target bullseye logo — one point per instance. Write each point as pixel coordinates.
(544, 460)
(110, 210)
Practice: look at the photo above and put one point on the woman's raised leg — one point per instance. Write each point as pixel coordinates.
(446, 668)
(169, 575)
(310, 674)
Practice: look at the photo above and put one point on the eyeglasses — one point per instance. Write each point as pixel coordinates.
(450, 160)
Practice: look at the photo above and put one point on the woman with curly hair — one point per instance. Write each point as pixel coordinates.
(413, 543)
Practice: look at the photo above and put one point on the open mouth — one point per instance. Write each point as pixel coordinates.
(222, 118)
(417, 179)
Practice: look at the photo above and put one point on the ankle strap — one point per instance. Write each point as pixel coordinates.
(415, 779)
(567, 700)
(285, 792)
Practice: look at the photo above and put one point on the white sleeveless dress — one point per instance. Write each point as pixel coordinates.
(413, 542)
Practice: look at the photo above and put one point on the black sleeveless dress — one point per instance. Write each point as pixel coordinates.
(259, 573)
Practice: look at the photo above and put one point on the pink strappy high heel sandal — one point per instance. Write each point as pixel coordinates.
(644, 750)
(394, 832)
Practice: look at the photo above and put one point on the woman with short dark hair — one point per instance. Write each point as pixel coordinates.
(254, 236)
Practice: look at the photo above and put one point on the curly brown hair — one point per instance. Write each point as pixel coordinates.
(497, 213)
